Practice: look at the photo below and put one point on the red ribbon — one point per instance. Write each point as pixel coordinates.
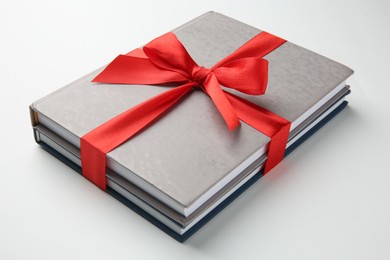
(165, 60)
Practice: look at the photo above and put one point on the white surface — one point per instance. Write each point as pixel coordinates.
(327, 200)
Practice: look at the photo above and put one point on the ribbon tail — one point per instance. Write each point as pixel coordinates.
(258, 46)
(214, 90)
(126, 69)
(96, 144)
(270, 124)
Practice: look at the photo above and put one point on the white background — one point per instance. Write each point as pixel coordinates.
(330, 199)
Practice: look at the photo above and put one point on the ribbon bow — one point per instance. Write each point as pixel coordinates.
(166, 61)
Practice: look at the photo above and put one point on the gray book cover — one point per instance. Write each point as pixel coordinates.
(190, 153)
(175, 221)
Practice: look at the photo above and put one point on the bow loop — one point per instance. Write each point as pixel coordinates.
(168, 53)
(247, 75)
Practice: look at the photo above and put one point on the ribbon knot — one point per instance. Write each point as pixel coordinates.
(199, 74)
(165, 61)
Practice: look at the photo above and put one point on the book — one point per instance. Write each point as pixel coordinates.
(188, 163)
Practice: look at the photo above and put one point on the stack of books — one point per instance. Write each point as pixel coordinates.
(186, 167)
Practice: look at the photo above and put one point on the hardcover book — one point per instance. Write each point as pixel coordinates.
(184, 168)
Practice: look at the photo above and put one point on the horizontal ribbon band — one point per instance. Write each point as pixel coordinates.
(166, 61)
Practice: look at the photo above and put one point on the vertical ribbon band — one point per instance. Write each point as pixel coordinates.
(165, 60)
